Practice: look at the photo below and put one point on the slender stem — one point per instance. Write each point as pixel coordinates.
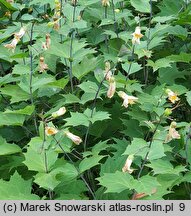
(129, 69)
(114, 19)
(31, 75)
(81, 175)
(150, 144)
(45, 157)
(186, 144)
(61, 3)
(106, 37)
(148, 40)
(92, 111)
(71, 50)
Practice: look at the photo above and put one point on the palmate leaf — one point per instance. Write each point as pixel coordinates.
(142, 6)
(7, 149)
(85, 118)
(89, 162)
(160, 63)
(146, 184)
(138, 147)
(116, 182)
(16, 189)
(35, 157)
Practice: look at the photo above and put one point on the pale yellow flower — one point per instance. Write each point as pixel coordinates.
(50, 131)
(43, 65)
(127, 166)
(108, 73)
(16, 39)
(75, 139)
(127, 99)
(137, 35)
(112, 87)
(60, 112)
(12, 45)
(172, 133)
(105, 3)
(172, 96)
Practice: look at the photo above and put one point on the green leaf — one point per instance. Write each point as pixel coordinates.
(21, 69)
(138, 147)
(160, 63)
(160, 166)
(16, 189)
(146, 184)
(7, 148)
(88, 163)
(77, 119)
(142, 6)
(35, 156)
(116, 182)
(47, 180)
(83, 68)
(156, 150)
(182, 57)
(188, 97)
(16, 93)
(8, 5)
(11, 119)
(28, 110)
(131, 68)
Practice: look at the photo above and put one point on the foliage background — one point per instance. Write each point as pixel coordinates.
(87, 35)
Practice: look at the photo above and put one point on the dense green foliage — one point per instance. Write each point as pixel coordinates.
(95, 99)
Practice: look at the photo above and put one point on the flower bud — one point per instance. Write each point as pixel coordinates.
(112, 87)
(60, 112)
(167, 112)
(75, 139)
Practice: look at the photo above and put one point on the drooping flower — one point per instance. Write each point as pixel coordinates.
(172, 96)
(172, 133)
(75, 139)
(50, 131)
(127, 166)
(74, 2)
(46, 45)
(60, 112)
(112, 87)
(137, 35)
(105, 3)
(108, 73)
(16, 39)
(21, 33)
(12, 45)
(127, 99)
(43, 65)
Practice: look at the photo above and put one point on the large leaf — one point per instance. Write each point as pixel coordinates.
(16, 189)
(89, 162)
(116, 182)
(7, 148)
(142, 6)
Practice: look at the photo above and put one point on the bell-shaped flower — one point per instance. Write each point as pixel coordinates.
(137, 35)
(127, 166)
(172, 133)
(75, 139)
(127, 99)
(112, 87)
(105, 3)
(172, 96)
(43, 65)
(50, 131)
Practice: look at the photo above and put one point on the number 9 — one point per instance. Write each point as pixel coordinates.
(182, 206)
